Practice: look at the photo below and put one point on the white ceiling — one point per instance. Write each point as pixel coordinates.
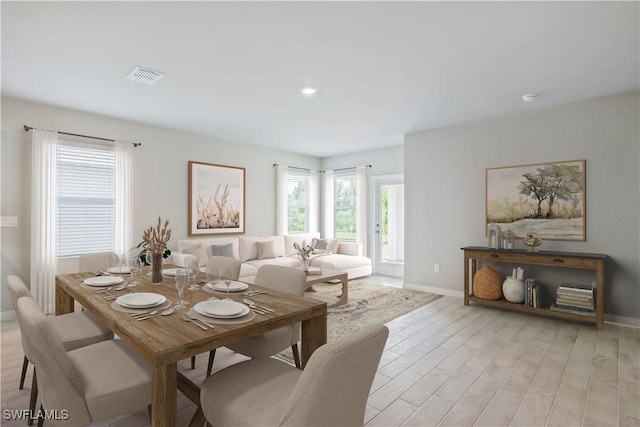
(234, 70)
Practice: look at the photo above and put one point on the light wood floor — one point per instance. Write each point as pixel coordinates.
(450, 365)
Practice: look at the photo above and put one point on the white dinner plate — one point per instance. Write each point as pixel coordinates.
(171, 271)
(103, 281)
(221, 309)
(119, 270)
(233, 287)
(140, 300)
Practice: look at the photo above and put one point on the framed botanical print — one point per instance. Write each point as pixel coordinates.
(216, 199)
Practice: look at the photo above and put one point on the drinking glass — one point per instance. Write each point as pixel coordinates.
(227, 278)
(115, 264)
(135, 266)
(213, 277)
(182, 279)
(194, 269)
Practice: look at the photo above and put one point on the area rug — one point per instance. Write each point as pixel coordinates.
(369, 303)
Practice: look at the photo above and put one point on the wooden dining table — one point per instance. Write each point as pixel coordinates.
(165, 340)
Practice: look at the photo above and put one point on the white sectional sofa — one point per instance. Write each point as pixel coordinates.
(255, 251)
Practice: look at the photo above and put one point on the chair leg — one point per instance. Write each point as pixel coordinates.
(33, 398)
(193, 362)
(296, 356)
(41, 417)
(25, 363)
(149, 411)
(212, 354)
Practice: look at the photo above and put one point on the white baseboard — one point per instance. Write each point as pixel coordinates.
(619, 320)
(433, 290)
(7, 316)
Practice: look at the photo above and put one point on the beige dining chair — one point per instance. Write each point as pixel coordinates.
(219, 262)
(75, 330)
(94, 262)
(332, 390)
(92, 383)
(283, 279)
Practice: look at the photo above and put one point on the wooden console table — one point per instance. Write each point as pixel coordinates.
(595, 262)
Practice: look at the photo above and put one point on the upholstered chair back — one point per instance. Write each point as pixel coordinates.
(225, 262)
(283, 279)
(94, 262)
(59, 384)
(17, 290)
(334, 386)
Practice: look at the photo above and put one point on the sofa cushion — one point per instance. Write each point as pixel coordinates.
(290, 239)
(333, 245)
(200, 254)
(283, 261)
(207, 243)
(339, 261)
(265, 250)
(249, 249)
(319, 244)
(222, 250)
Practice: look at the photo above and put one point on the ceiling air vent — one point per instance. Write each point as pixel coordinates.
(145, 75)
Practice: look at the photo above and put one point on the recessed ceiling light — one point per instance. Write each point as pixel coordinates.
(309, 91)
(145, 75)
(530, 97)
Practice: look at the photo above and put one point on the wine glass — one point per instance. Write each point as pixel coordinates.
(115, 265)
(227, 278)
(182, 279)
(194, 268)
(148, 259)
(213, 276)
(135, 266)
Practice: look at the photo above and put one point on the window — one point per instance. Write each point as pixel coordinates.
(86, 186)
(345, 194)
(297, 202)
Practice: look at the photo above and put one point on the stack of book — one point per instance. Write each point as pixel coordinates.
(575, 299)
(531, 293)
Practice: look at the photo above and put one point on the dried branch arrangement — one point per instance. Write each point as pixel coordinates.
(156, 237)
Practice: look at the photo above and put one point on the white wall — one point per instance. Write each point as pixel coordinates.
(445, 189)
(160, 174)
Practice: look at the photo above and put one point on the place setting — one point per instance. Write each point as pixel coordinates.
(222, 312)
(140, 303)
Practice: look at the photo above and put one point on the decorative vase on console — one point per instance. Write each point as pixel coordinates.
(513, 290)
(156, 239)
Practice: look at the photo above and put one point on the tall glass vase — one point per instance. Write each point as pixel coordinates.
(156, 267)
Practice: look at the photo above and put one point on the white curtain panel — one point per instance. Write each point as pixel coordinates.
(44, 147)
(361, 206)
(329, 205)
(282, 227)
(314, 202)
(123, 202)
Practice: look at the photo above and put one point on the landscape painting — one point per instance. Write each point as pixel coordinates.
(216, 199)
(547, 199)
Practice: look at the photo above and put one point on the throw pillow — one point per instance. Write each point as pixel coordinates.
(333, 245)
(321, 244)
(266, 250)
(200, 254)
(223, 250)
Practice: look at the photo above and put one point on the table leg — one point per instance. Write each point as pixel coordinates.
(164, 404)
(314, 334)
(64, 302)
(344, 298)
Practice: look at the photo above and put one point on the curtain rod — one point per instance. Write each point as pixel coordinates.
(135, 144)
(335, 170)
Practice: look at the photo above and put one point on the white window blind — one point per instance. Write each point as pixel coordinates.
(86, 183)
